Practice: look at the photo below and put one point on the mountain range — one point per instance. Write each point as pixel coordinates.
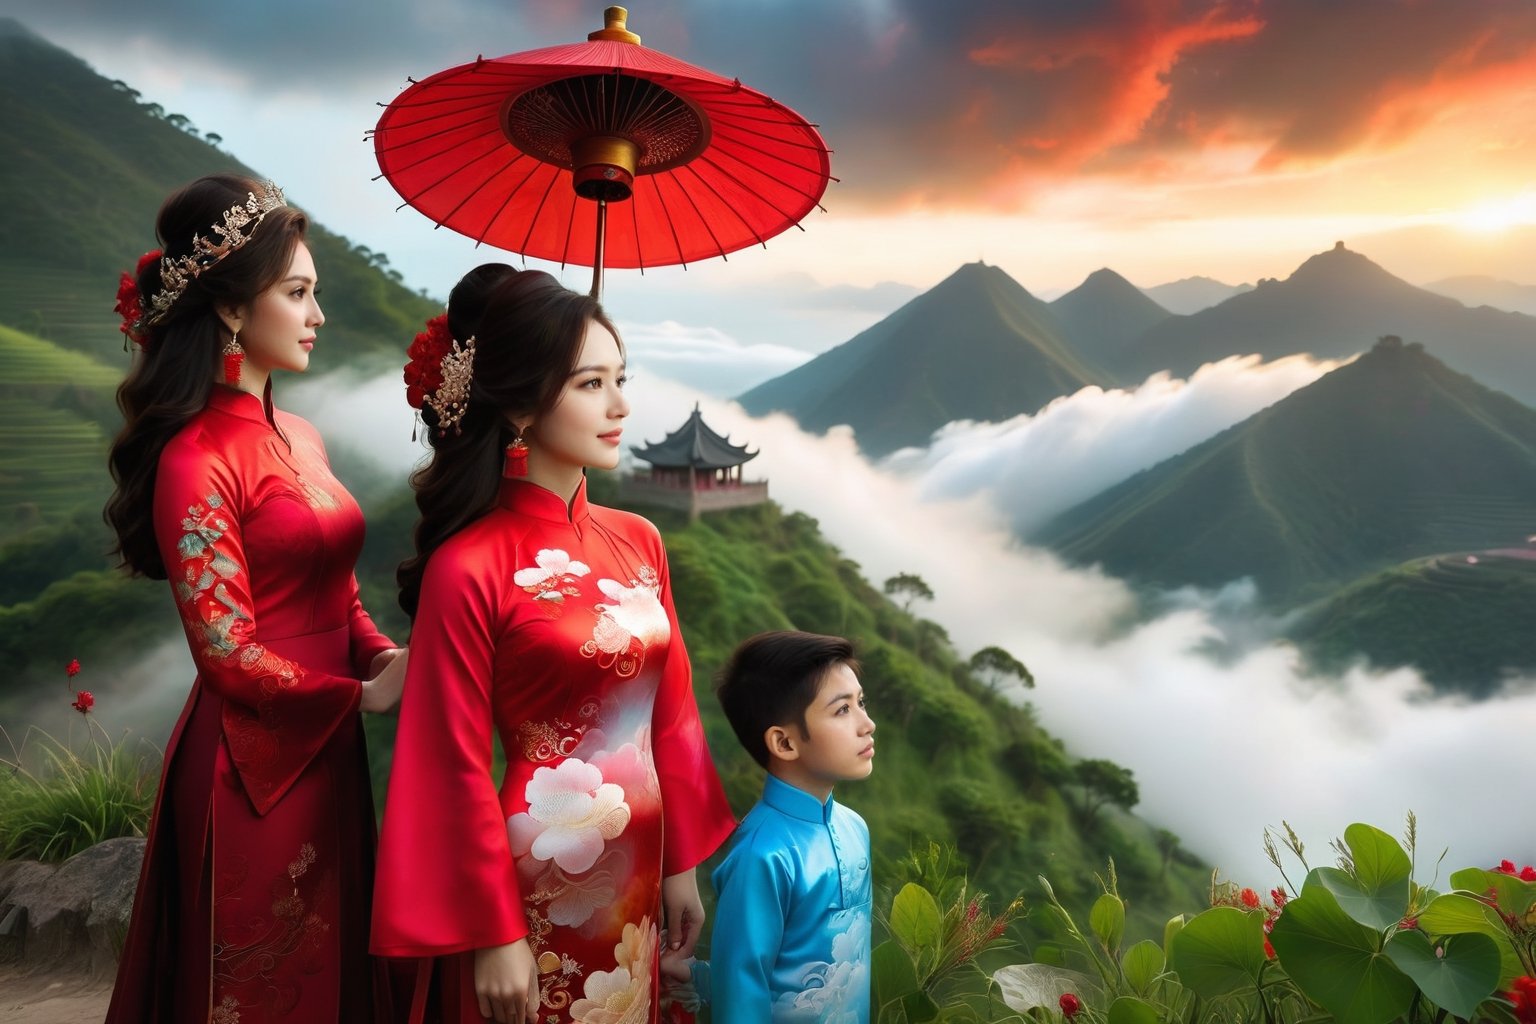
(975, 346)
(1389, 458)
(1333, 306)
(906, 376)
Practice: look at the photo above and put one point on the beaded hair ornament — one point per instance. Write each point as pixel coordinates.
(439, 373)
(238, 225)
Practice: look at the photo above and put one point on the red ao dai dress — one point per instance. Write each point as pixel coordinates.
(555, 626)
(252, 905)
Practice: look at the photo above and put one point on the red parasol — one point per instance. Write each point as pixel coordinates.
(506, 150)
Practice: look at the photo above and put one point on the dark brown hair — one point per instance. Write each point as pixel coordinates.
(772, 678)
(170, 381)
(528, 330)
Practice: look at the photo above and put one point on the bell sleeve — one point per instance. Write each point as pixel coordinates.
(277, 715)
(696, 817)
(446, 880)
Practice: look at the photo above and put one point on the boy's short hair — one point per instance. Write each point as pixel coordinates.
(772, 678)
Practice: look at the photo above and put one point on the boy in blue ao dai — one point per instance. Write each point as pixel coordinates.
(792, 918)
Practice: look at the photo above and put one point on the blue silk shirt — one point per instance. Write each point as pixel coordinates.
(792, 915)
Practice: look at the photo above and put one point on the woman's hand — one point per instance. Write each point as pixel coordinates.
(684, 911)
(507, 983)
(381, 694)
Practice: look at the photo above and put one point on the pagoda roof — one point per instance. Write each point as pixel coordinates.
(694, 444)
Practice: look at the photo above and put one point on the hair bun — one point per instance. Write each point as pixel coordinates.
(467, 301)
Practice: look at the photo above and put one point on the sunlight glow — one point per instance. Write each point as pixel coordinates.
(1498, 214)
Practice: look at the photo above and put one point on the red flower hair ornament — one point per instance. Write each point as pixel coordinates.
(439, 373)
(129, 306)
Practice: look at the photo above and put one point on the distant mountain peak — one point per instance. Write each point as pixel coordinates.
(1341, 263)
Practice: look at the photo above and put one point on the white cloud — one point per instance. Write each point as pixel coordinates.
(1036, 467)
(704, 358)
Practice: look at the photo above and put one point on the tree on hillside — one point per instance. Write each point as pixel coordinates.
(214, 138)
(1105, 782)
(909, 587)
(154, 110)
(997, 668)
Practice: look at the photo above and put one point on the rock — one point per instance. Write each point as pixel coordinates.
(76, 912)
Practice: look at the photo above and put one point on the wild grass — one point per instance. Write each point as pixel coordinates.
(72, 799)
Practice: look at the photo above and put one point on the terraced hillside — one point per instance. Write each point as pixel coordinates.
(56, 412)
(1464, 620)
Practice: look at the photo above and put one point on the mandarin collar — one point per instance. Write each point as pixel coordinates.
(796, 802)
(540, 502)
(243, 404)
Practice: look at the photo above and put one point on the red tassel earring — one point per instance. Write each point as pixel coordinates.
(516, 464)
(234, 356)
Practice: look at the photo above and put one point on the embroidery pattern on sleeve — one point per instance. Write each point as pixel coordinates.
(209, 609)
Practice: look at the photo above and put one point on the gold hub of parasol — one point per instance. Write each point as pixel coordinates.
(606, 128)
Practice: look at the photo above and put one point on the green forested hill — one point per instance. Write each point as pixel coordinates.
(975, 346)
(1104, 316)
(1391, 458)
(1464, 620)
(87, 163)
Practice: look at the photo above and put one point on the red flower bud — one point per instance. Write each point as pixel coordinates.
(1071, 1006)
(73, 668)
(84, 702)
(1250, 898)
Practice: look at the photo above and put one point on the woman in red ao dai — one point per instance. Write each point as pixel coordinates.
(550, 620)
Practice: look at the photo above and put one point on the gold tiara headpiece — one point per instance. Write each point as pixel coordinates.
(237, 228)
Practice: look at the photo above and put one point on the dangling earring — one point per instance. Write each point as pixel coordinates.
(516, 464)
(234, 355)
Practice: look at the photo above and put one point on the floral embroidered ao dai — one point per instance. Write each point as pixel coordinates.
(553, 625)
(252, 904)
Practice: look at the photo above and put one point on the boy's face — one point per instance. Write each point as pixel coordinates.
(838, 744)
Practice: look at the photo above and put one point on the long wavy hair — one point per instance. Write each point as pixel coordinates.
(528, 331)
(170, 381)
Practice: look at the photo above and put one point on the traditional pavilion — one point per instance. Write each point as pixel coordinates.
(697, 470)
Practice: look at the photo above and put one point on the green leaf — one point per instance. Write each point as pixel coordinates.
(915, 917)
(1107, 919)
(1219, 951)
(1456, 974)
(1377, 891)
(1375, 908)
(1130, 1010)
(1514, 895)
(894, 977)
(1336, 961)
(920, 1007)
(1142, 964)
(1024, 987)
(1173, 927)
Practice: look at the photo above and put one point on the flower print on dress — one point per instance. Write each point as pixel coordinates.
(622, 995)
(571, 814)
(630, 623)
(553, 579)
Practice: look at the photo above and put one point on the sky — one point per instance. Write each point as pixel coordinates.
(1161, 138)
